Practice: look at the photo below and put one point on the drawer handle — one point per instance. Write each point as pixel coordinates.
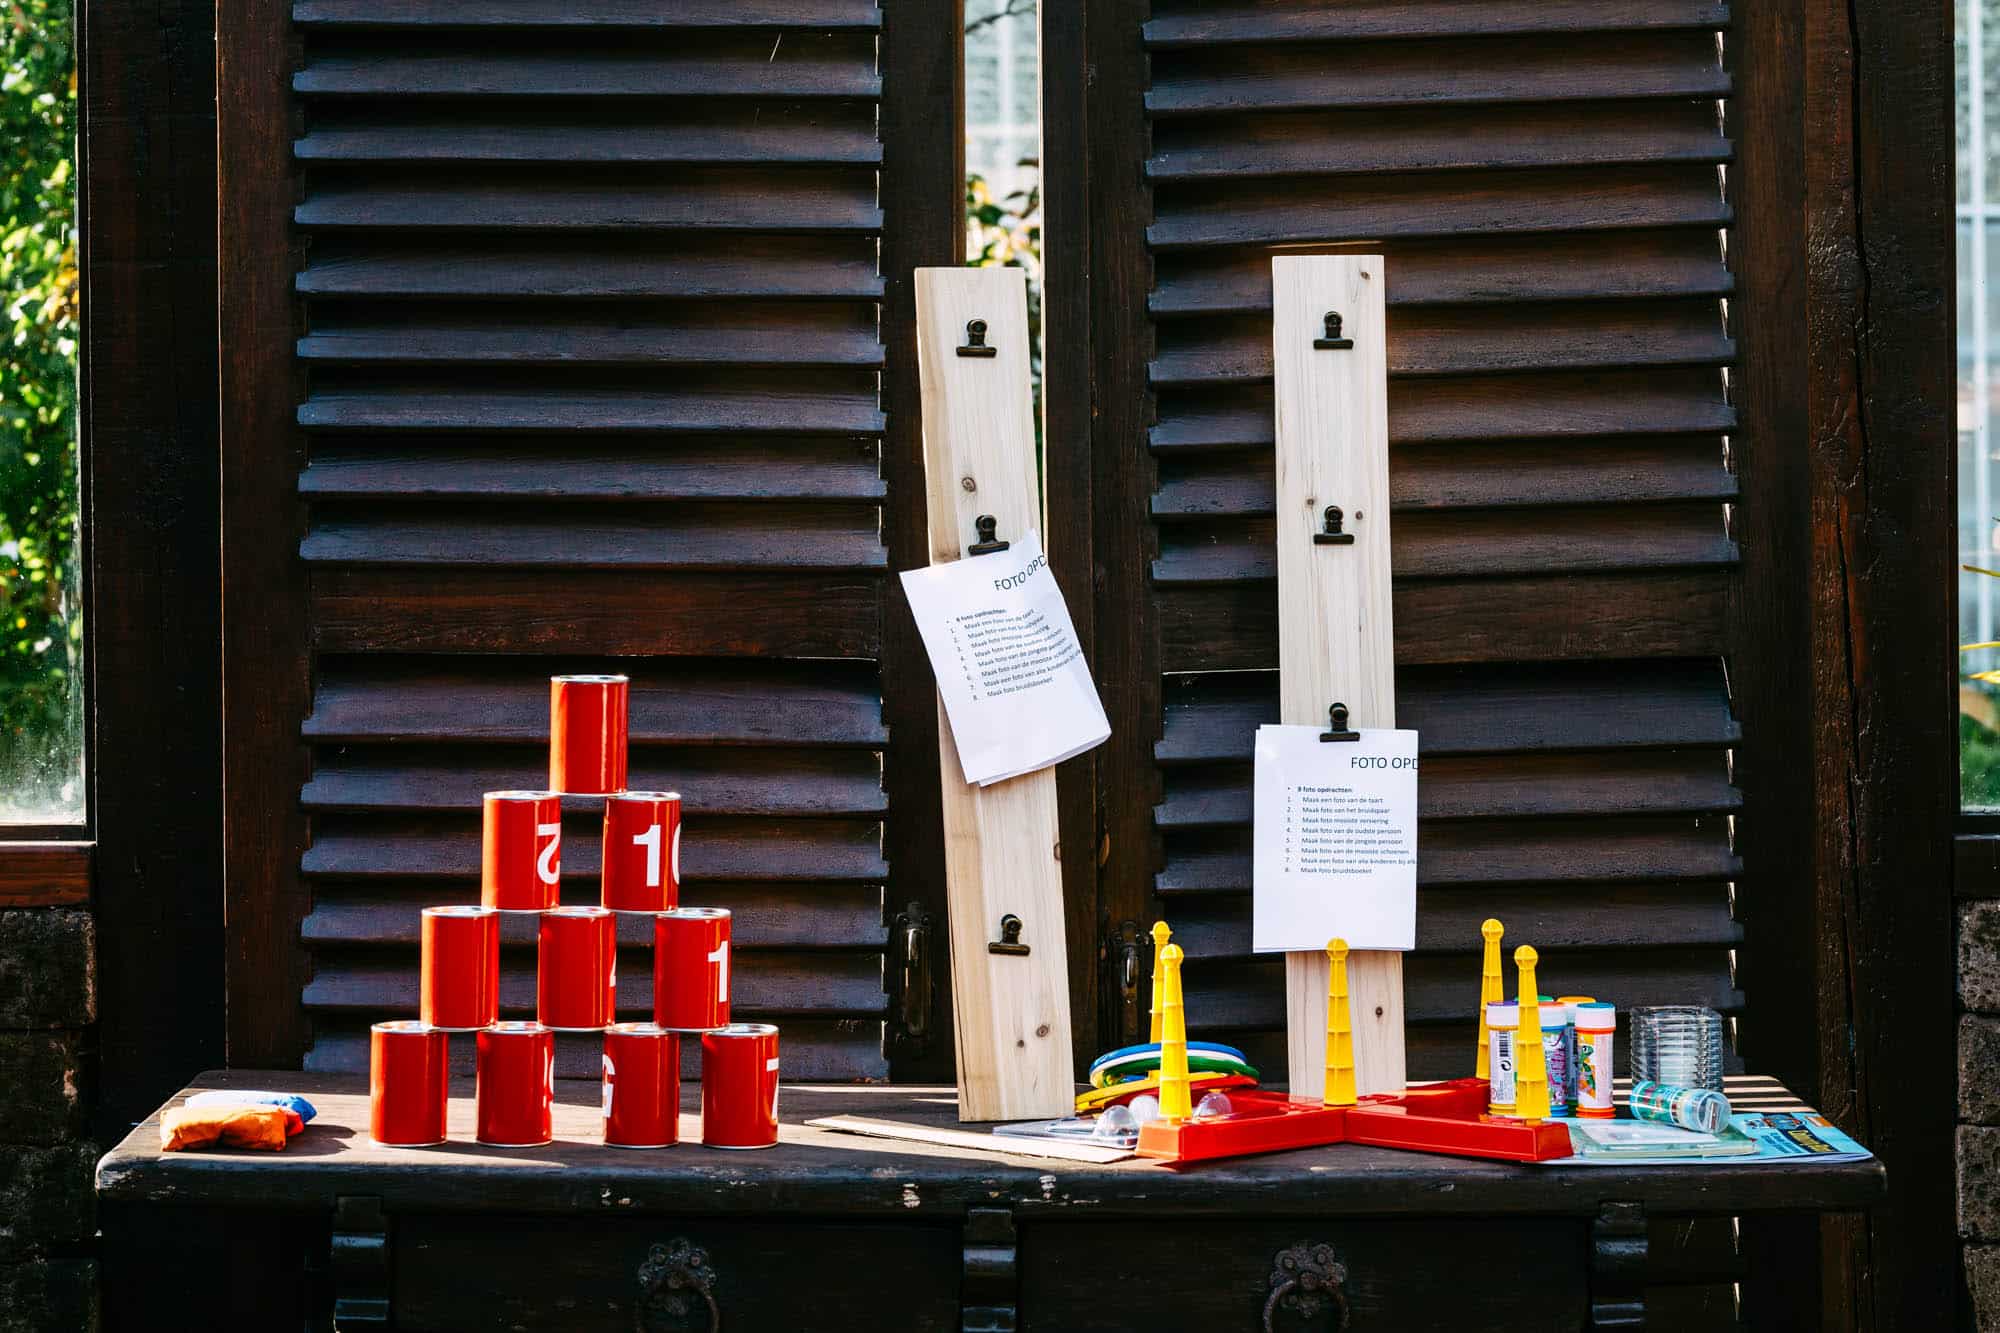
(1302, 1279)
(670, 1280)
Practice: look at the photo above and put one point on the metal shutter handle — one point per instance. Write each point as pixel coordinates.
(670, 1280)
(1302, 1279)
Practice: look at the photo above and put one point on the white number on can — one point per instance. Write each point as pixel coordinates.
(549, 864)
(650, 840)
(771, 1068)
(609, 1074)
(721, 960)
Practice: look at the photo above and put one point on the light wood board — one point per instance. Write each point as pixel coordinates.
(1011, 1145)
(1012, 1013)
(1335, 629)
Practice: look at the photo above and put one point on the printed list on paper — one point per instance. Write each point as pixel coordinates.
(1016, 689)
(1335, 840)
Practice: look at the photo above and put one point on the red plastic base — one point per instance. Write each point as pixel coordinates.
(1445, 1118)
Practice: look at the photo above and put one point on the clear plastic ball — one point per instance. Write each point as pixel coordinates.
(1115, 1122)
(1214, 1106)
(1145, 1108)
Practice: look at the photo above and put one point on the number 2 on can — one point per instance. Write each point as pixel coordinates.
(546, 865)
(721, 959)
(650, 840)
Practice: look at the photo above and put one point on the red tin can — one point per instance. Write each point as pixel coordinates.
(577, 976)
(642, 1086)
(739, 1086)
(516, 1085)
(461, 968)
(691, 968)
(587, 733)
(642, 851)
(520, 867)
(408, 1083)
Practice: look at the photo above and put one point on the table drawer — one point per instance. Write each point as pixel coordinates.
(1216, 1275)
(452, 1272)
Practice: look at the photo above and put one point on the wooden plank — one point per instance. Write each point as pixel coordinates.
(1002, 853)
(461, 71)
(562, 404)
(800, 134)
(1335, 624)
(1013, 1145)
(1209, 23)
(710, 199)
(44, 874)
(615, 14)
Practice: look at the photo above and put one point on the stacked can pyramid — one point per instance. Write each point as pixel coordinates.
(577, 967)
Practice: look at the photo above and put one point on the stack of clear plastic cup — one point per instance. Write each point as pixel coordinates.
(1677, 1044)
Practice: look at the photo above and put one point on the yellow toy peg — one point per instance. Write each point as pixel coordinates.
(1176, 1101)
(1531, 1097)
(1492, 988)
(1160, 937)
(1339, 1029)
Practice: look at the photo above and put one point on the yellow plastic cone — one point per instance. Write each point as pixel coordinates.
(1160, 936)
(1531, 1097)
(1176, 1100)
(1492, 987)
(1339, 1029)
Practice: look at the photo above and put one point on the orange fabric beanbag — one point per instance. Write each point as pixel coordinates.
(261, 1127)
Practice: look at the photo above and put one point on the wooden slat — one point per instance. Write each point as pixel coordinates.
(1216, 22)
(1430, 73)
(1412, 139)
(715, 850)
(742, 334)
(1495, 787)
(700, 199)
(1454, 204)
(45, 874)
(477, 14)
(420, 701)
(599, 537)
(1499, 407)
(715, 68)
(743, 782)
(762, 916)
(695, 469)
(599, 269)
(620, 612)
(1599, 917)
(1584, 266)
(1530, 474)
(1471, 341)
(1212, 718)
(558, 407)
(823, 1050)
(1579, 616)
(773, 984)
(800, 134)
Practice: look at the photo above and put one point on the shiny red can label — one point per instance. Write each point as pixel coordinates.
(577, 972)
(408, 1083)
(587, 733)
(520, 854)
(642, 851)
(691, 968)
(460, 976)
(739, 1086)
(515, 1093)
(642, 1086)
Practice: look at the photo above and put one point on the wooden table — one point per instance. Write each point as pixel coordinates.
(835, 1231)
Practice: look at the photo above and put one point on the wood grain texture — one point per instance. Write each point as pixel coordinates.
(44, 874)
(1336, 637)
(1002, 852)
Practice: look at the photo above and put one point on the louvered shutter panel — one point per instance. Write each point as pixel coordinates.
(589, 378)
(1544, 181)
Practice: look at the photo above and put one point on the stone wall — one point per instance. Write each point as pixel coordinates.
(48, 1000)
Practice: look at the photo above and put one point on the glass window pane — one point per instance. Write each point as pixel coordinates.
(41, 625)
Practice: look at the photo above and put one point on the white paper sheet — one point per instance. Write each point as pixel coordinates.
(1016, 689)
(1335, 840)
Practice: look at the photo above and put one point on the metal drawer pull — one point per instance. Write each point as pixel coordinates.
(672, 1277)
(1302, 1279)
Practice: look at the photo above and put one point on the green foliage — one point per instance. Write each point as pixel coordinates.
(1978, 764)
(41, 630)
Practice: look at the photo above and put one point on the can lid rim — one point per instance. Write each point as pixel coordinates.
(701, 913)
(606, 679)
(631, 795)
(521, 794)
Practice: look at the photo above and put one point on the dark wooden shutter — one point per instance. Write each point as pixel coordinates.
(589, 368)
(1545, 181)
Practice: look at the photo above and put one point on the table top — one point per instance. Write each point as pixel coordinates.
(827, 1173)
